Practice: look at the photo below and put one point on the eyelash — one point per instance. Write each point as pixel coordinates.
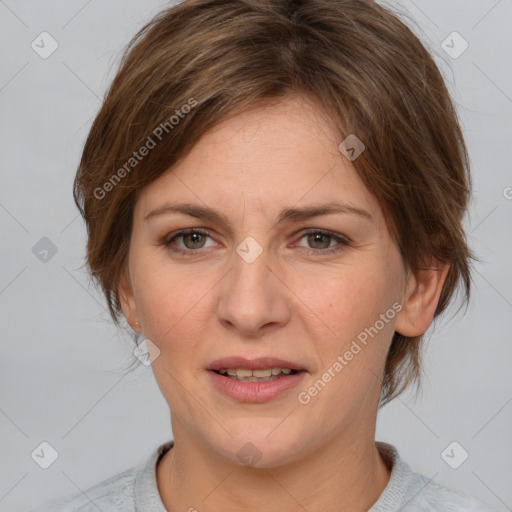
(342, 242)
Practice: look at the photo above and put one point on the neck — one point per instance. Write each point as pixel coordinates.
(351, 473)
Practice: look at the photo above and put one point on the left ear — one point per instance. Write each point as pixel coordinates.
(423, 290)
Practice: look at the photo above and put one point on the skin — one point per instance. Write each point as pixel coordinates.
(294, 301)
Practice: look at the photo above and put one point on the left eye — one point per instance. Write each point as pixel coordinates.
(321, 240)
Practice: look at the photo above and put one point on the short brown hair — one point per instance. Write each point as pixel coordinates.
(354, 58)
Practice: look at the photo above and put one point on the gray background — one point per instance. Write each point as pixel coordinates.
(62, 377)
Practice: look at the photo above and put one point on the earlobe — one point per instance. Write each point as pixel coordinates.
(423, 290)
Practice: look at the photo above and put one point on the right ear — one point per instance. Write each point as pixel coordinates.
(127, 299)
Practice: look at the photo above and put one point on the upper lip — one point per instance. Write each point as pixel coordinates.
(260, 363)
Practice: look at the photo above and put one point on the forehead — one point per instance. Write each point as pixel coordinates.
(266, 158)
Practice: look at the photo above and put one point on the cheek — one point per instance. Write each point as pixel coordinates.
(358, 310)
(351, 298)
(355, 306)
(169, 301)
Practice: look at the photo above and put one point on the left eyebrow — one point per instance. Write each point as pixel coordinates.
(307, 212)
(286, 215)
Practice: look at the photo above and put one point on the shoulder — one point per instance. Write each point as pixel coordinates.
(114, 494)
(133, 489)
(433, 496)
(408, 491)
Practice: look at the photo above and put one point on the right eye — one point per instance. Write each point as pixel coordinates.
(187, 241)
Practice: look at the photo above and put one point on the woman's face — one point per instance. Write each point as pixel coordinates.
(265, 273)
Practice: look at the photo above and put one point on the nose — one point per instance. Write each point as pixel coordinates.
(253, 298)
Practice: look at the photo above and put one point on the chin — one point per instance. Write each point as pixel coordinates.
(253, 447)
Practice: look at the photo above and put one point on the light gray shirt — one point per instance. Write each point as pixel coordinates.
(135, 490)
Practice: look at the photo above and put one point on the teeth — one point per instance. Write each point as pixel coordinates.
(261, 373)
(242, 373)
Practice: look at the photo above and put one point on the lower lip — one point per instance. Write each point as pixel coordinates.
(255, 392)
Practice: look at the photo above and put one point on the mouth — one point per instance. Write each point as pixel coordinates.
(256, 380)
(246, 375)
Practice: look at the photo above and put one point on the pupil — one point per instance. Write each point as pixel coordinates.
(195, 240)
(317, 238)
